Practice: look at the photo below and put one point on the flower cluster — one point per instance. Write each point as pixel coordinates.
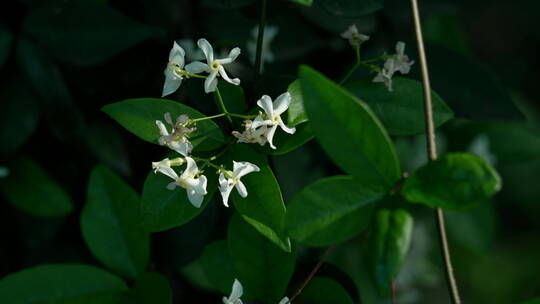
(397, 62)
(354, 37)
(237, 292)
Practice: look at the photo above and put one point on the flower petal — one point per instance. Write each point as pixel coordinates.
(242, 168)
(285, 128)
(176, 55)
(210, 83)
(225, 188)
(258, 121)
(172, 185)
(197, 67)
(223, 74)
(285, 300)
(195, 198)
(207, 49)
(266, 104)
(241, 188)
(172, 82)
(270, 136)
(162, 129)
(191, 169)
(182, 147)
(281, 104)
(400, 48)
(233, 54)
(237, 291)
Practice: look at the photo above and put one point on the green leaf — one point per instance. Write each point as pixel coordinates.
(389, 243)
(348, 131)
(139, 117)
(322, 290)
(263, 269)
(402, 110)
(29, 188)
(163, 209)
(61, 283)
(303, 2)
(454, 181)
(226, 4)
(296, 113)
(263, 208)
(532, 301)
(84, 32)
(150, 288)
(106, 142)
(6, 38)
(331, 210)
(233, 97)
(110, 224)
(286, 143)
(350, 8)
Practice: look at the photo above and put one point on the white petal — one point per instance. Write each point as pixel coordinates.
(241, 188)
(172, 82)
(167, 171)
(225, 188)
(191, 169)
(266, 104)
(237, 291)
(195, 198)
(281, 104)
(400, 48)
(176, 55)
(184, 148)
(197, 67)
(285, 128)
(285, 300)
(207, 49)
(182, 119)
(172, 185)
(162, 130)
(197, 184)
(223, 74)
(270, 136)
(210, 83)
(242, 168)
(258, 121)
(233, 54)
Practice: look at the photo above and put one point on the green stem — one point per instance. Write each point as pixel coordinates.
(208, 117)
(260, 38)
(355, 66)
(221, 105)
(242, 116)
(206, 161)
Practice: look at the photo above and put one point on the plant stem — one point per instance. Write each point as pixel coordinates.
(394, 291)
(355, 66)
(432, 153)
(260, 38)
(209, 117)
(311, 274)
(222, 105)
(206, 162)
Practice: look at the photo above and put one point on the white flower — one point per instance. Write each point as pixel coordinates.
(195, 186)
(251, 135)
(480, 146)
(178, 139)
(402, 62)
(192, 52)
(270, 33)
(213, 66)
(236, 293)
(228, 180)
(385, 75)
(173, 77)
(354, 37)
(271, 116)
(285, 300)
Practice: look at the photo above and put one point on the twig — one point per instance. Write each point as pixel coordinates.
(432, 152)
(394, 291)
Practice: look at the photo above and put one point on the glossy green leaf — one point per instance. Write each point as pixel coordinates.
(454, 181)
(350, 8)
(233, 97)
(389, 243)
(263, 208)
(303, 2)
(139, 117)
(296, 113)
(150, 288)
(29, 188)
(331, 210)
(84, 32)
(110, 224)
(263, 269)
(286, 143)
(6, 38)
(348, 131)
(163, 209)
(322, 290)
(402, 110)
(61, 283)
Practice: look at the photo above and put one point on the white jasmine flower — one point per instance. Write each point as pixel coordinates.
(195, 186)
(251, 135)
(178, 138)
(354, 37)
(402, 62)
(285, 300)
(173, 76)
(213, 66)
(271, 116)
(164, 166)
(270, 33)
(385, 75)
(192, 52)
(480, 146)
(228, 180)
(236, 293)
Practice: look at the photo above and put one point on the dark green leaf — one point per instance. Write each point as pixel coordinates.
(163, 209)
(303, 2)
(350, 8)
(150, 288)
(321, 290)
(474, 229)
(330, 211)
(32, 190)
(286, 143)
(402, 110)
(454, 181)
(6, 39)
(532, 301)
(139, 117)
(108, 145)
(110, 224)
(296, 113)
(84, 32)
(61, 283)
(263, 269)
(389, 243)
(348, 131)
(263, 208)
(233, 97)
(227, 4)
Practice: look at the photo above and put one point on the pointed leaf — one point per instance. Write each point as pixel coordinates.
(150, 288)
(322, 290)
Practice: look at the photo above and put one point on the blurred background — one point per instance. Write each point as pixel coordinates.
(62, 60)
